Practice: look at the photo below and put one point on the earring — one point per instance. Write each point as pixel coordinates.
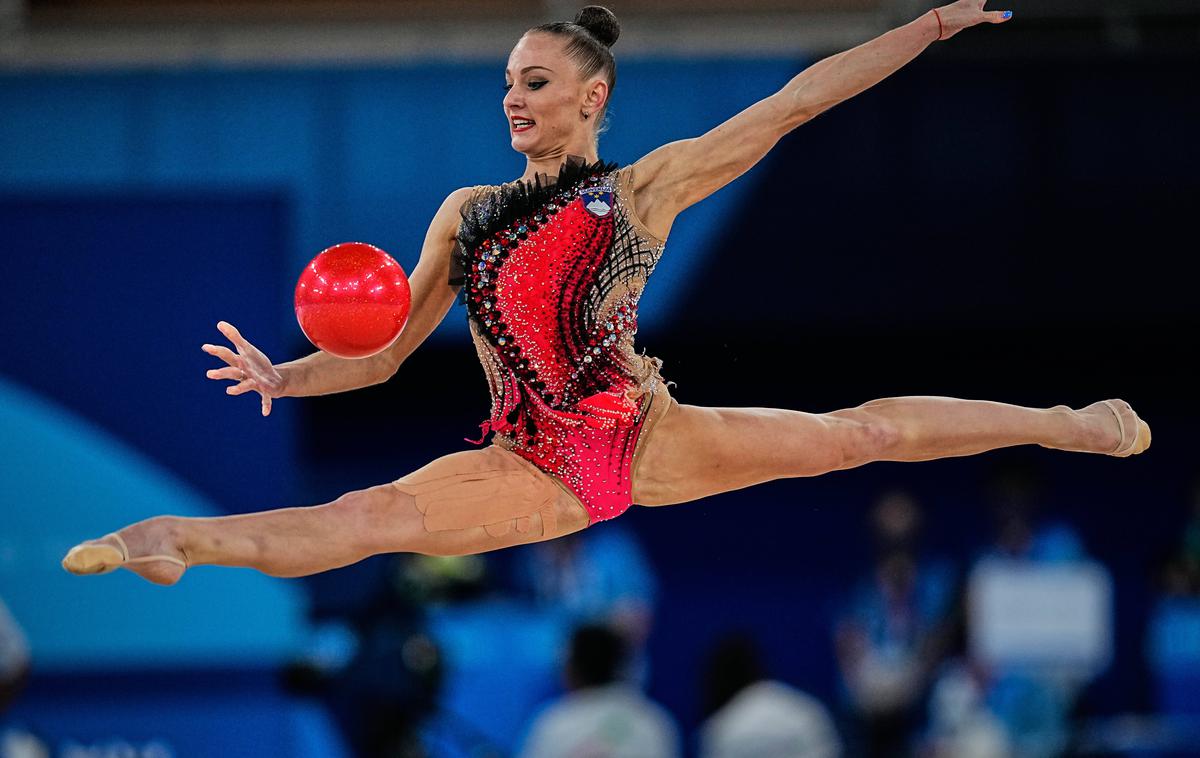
(586, 115)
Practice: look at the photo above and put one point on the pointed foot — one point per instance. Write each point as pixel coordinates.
(165, 565)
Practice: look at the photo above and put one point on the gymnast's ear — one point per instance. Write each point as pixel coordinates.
(596, 95)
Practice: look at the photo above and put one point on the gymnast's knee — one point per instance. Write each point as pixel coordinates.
(376, 520)
(865, 437)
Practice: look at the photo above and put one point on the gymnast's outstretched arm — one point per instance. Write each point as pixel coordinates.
(679, 174)
(325, 374)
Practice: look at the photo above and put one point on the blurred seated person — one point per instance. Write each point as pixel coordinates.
(596, 576)
(603, 714)
(892, 633)
(749, 715)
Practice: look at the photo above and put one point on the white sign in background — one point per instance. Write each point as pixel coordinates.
(1041, 615)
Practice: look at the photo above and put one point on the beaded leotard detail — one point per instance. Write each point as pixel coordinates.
(551, 274)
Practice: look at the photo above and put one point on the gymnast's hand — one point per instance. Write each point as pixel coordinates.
(248, 366)
(958, 16)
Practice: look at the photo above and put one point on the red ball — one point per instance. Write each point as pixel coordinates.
(352, 300)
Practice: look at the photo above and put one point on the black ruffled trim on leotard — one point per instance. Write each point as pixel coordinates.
(491, 211)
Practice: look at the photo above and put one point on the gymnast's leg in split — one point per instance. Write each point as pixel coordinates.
(480, 500)
(699, 451)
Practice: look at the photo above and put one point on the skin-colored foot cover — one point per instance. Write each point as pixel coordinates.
(1133, 441)
(101, 558)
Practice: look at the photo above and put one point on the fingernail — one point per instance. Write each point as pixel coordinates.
(1007, 14)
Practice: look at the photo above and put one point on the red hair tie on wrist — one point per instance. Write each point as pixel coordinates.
(938, 16)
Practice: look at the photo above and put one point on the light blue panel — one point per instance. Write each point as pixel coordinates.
(277, 138)
(61, 129)
(251, 128)
(64, 481)
(180, 134)
(246, 130)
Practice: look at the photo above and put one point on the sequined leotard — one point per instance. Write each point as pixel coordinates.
(551, 274)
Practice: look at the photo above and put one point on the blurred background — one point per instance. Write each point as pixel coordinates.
(1009, 217)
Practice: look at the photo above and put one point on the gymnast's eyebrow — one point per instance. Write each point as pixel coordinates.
(527, 69)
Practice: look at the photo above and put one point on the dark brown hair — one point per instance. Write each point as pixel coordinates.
(588, 39)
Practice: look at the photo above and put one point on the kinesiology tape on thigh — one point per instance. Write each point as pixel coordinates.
(498, 500)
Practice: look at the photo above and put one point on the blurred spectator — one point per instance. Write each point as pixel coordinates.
(1190, 554)
(378, 669)
(1173, 642)
(1033, 705)
(1025, 668)
(1022, 532)
(18, 743)
(960, 723)
(15, 742)
(14, 658)
(596, 576)
(893, 633)
(603, 715)
(1181, 576)
(751, 716)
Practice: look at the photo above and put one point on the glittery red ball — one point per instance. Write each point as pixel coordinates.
(352, 300)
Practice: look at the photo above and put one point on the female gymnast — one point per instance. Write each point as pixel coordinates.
(550, 268)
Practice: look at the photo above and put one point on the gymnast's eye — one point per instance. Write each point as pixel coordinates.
(536, 85)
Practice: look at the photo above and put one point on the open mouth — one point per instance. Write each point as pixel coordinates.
(521, 125)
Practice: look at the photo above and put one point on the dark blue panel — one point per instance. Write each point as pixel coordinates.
(108, 301)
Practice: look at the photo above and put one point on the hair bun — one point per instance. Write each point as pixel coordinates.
(601, 22)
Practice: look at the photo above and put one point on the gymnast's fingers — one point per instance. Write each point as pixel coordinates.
(240, 388)
(998, 17)
(230, 331)
(224, 353)
(228, 372)
(266, 405)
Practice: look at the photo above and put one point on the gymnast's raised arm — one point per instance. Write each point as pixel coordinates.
(325, 374)
(679, 174)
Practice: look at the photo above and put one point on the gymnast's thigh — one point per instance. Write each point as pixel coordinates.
(474, 501)
(695, 451)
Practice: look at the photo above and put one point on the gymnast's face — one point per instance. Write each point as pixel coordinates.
(546, 97)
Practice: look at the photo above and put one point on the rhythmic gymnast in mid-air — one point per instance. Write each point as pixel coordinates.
(550, 268)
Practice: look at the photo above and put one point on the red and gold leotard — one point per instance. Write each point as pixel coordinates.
(551, 273)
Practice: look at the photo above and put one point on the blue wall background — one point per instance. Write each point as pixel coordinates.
(139, 208)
